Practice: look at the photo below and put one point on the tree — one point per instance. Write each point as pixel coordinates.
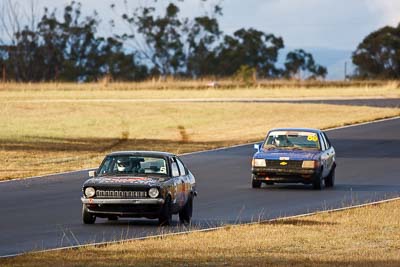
(201, 55)
(162, 45)
(113, 61)
(378, 55)
(17, 42)
(171, 44)
(67, 49)
(299, 61)
(252, 48)
(69, 46)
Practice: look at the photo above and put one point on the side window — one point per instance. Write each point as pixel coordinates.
(328, 143)
(323, 142)
(181, 167)
(106, 166)
(174, 169)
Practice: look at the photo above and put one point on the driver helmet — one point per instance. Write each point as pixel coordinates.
(124, 164)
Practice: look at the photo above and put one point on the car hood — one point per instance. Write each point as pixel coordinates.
(122, 181)
(278, 154)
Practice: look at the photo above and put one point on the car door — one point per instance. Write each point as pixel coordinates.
(331, 151)
(186, 181)
(182, 183)
(324, 156)
(177, 184)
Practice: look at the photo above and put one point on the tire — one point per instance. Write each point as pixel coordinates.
(87, 218)
(255, 183)
(185, 215)
(318, 183)
(330, 179)
(165, 217)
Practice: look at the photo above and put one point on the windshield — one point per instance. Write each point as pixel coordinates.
(133, 165)
(292, 140)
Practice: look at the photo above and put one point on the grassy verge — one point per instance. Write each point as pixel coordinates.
(41, 138)
(347, 238)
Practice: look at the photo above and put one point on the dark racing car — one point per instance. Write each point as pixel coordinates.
(294, 155)
(153, 185)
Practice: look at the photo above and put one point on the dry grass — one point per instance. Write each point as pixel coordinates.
(366, 236)
(168, 90)
(192, 84)
(41, 138)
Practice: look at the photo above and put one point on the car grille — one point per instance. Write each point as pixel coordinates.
(120, 194)
(291, 164)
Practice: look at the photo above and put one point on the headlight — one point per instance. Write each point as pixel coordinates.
(259, 163)
(309, 164)
(90, 192)
(153, 192)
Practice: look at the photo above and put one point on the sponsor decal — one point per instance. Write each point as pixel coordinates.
(284, 158)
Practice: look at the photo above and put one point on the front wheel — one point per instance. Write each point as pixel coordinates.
(185, 215)
(165, 217)
(330, 179)
(318, 183)
(255, 183)
(87, 217)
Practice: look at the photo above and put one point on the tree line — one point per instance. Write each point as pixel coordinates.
(160, 42)
(378, 55)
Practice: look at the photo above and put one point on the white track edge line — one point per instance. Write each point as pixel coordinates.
(209, 229)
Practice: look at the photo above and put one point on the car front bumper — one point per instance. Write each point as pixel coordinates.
(149, 208)
(270, 175)
(101, 201)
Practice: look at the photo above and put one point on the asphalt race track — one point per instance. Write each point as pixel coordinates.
(45, 213)
(371, 102)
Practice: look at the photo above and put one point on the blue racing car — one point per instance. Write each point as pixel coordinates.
(294, 155)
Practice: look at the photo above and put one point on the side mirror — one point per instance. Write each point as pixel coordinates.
(92, 174)
(257, 147)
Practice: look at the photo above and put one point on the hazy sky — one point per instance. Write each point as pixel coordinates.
(337, 24)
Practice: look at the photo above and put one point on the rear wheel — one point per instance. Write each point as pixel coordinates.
(185, 215)
(87, 217)
(255, 183)
(165, 217)
(330, 180)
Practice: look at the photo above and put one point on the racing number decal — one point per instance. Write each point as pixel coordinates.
(312, 138)
(163, 170)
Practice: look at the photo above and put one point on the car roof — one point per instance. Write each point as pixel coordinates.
(142, 153)
(311, 130)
